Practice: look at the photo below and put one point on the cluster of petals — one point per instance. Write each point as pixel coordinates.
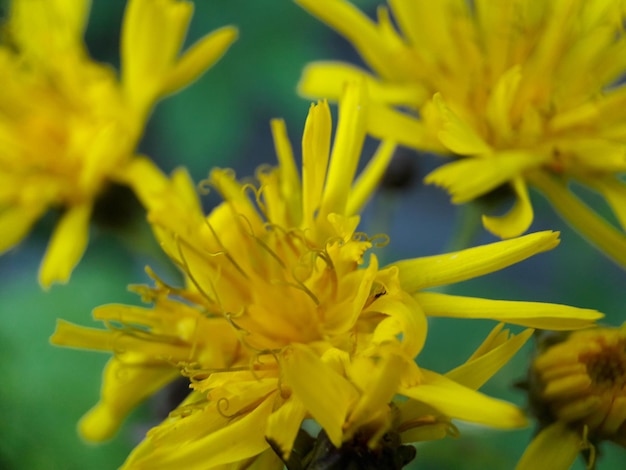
(285, 315)
(518, 93)
(578, 391)
(69, 125)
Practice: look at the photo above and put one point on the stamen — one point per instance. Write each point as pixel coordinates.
(191, 277)
(223, 251)
(204, 187)
(264, 245)
(257, 198)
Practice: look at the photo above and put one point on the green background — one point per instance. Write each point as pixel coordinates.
(223, 120)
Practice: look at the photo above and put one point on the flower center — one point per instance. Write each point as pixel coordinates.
(608, 369)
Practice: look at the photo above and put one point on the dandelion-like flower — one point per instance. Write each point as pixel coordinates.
(283, 318)
(521, 93)
(578, 390)
(68, 125)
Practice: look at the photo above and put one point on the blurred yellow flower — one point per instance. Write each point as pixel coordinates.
(578, 390)
(68, 125)
(521, 93)
(283, 318)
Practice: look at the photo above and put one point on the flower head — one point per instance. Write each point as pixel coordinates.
(521, 92)
(283, 308)
(578, 390)
(68, 126)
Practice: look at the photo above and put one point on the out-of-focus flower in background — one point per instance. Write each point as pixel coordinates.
(282, 317)
(69, 125)
(577, 386)
(518, 93)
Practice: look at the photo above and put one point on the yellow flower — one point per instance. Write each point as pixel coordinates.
(283, 318)
(68, 126)
(578, 389)
(523, 92)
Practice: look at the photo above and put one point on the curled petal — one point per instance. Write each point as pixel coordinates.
(518, 219)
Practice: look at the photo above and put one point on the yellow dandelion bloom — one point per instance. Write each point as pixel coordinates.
(521, 93)
(68, 125)
(283, 318)
(578, 389)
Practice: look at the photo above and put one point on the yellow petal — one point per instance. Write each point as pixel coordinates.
(66, 246)
(430, 271)
(379, 384)
(346, 151)
(284, 423)
(328, 79)
(313, 382)
(531, 314)
(289, 180)
(405, 319)
(555, 447)
(486, 173)
(500, 102)
(38, 26)
(518, 219)
(614, 191)
(457, 401)
(123, 388)
(152, 34)
(315, 155)
(75, 336)
(387, 123)
(456, 134)
(238, 440)
(199, 58)
(362, 32)
(368, 180)
(473, 374)
(15, 222)
(589, 224)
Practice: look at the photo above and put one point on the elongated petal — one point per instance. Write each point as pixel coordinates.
(614, 191)
(301, 368)
(199, 58)
(430, 271)
(123, 388)
(457, 401)
(315, 155)
(357, 27)
(346, 149)
(289, 184)
(555, 447)
(486, 174)
(518, 219)
(152, 34)
(589, 224)
(531, 314)
(15, 222)
(369, 178)
(473, 374)
(240, 439)
(75, 336)
(329, 78)
(145, 179)
(66, 246)
(41, 25)
(387, 123)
